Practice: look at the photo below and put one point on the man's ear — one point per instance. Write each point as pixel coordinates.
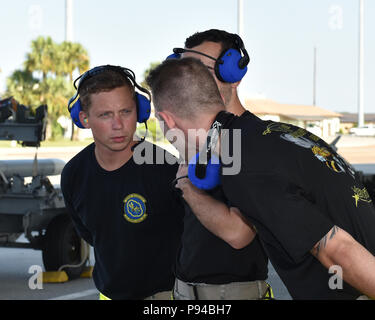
(83, 117)
(168, 118)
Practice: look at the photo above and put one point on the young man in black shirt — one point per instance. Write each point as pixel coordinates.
(218, 266)
(310, 211)
(127, 211)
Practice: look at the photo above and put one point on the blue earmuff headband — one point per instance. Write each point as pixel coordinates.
(230, 66)
(143, 103)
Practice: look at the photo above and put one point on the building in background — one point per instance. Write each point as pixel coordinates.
(350, 120)
(321, 122)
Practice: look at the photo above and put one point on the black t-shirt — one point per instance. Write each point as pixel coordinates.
(294, 188)
(132, 218)
(205, 258)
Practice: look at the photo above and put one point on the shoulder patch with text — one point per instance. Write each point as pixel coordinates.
(360, 195)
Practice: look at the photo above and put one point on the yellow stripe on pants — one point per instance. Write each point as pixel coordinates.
(103, 297)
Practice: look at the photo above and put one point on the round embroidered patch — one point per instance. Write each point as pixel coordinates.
(135, 208)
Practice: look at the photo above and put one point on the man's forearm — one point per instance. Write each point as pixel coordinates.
(358, 265)
(226, 223)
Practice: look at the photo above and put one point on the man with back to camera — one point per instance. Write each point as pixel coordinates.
(210, 265)
(308, 207)
(128, 212)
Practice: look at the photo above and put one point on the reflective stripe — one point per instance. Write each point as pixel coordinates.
(103, 297)
(269, 293)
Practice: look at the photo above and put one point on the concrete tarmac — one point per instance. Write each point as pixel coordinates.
(18, 280)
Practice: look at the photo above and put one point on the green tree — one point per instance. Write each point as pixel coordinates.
(23, 87)
(154, 131)
(152, 65)
(72, 57)
(43, 56)
(44, 79)
(55, 92)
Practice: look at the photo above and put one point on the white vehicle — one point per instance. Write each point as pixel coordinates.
(367, 130)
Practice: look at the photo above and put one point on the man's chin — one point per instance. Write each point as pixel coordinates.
(118, 147)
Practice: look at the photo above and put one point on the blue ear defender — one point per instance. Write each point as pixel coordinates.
(228, 70)
(205, 177)
(143, 107)
(142, 102)
(230, 66)
(205, 167)
(74, 113)
(173, 56)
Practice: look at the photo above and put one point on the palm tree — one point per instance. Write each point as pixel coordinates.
(72, 57)
(42, 56)
(44, 79)
(23, 87)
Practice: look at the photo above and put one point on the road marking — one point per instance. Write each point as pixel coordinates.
(77, 295)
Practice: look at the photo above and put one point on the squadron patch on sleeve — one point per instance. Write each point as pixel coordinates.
(135, 208)
(360, 195)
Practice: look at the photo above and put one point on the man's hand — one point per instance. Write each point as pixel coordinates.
(182, 172)
(183, 182)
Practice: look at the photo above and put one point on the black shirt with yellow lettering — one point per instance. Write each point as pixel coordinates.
(294, 188)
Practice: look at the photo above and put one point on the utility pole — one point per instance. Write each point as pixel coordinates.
(240, 32)
(314, 78)
(69, 37)
(361, 117)
(69, 20)
(240, 18)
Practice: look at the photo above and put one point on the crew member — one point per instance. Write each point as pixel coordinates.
(209, 265)
(307, 205)
(127, 211)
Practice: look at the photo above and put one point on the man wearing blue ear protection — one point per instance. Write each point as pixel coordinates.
(311, 212)
(212, 47)
(127, 211)
(218, 265)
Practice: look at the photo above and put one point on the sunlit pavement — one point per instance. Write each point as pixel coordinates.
(18, 279)
(18, 282)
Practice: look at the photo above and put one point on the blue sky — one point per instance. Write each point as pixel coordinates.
(279, 35)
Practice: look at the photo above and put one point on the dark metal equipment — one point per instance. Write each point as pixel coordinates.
(29, 204)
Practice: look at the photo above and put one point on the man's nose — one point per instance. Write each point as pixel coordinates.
(117, 122)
